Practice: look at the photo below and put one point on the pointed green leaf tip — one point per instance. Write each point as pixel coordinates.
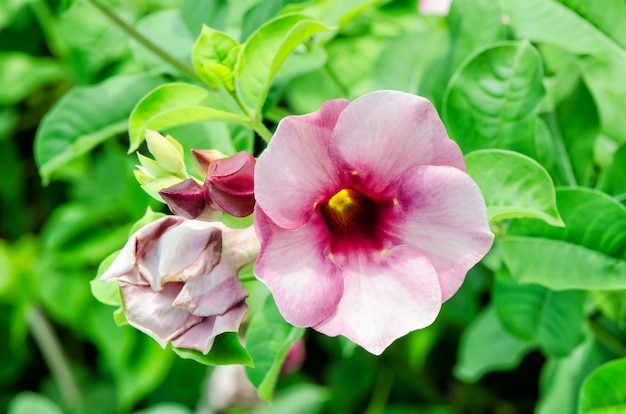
(514, 186)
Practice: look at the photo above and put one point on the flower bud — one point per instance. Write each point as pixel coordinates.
(184, 199)
(229, 185)
(204, 158)
(168, 153)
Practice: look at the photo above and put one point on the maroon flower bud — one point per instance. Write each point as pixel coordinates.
(204, 158)
(184, 199)
(229, 185)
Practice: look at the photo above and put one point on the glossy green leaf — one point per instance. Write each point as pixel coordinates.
(268, 339)
(21, 73)
(589, 253)
(226, 350)
(486, 347)
(85, 117)
(214, 55)
(535, 313)
(604, 391)
(264, 52)
(492, 100)
(180, 103)
(513, 185)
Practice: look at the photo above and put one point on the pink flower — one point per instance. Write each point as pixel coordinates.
(434, 7)
(179, 281)
(366, 217)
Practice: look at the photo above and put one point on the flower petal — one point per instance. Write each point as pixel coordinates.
(152, 312)
(191, 248)
(298, 154)
(382, 134)
(441, 212)
(296, 267)
(201, 336)
(385, 297)
(213, 293)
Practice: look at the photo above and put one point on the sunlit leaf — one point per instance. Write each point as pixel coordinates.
(492, 100)
(589, 253)
(263, 53)
(604, 391)
(177, 104)
(214, 55)
(85, 117)
(268, 339)
(513, 185)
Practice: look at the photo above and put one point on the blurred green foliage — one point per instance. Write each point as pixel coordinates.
(70, 77)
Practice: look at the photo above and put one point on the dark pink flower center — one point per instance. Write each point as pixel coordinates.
(353, 220)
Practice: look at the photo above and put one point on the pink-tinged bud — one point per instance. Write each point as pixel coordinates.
(184, 199)
(204, 158)
(229, 185)
(294, 358)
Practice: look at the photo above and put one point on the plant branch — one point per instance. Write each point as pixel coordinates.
(51, 350)
(381, 391)
(154, 48)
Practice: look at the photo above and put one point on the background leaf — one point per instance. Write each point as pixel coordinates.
(588, 253)
(513, 185)
(268, 339)
(486, 346)
(85, 117)
(492, 100)
(604, 391)
(537, 314)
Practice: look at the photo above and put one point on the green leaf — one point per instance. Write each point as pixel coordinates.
(106, 292)
(604, 391)
(534, 313)
(613, 178)
(492, 100)
(214, 55)
(20, 74)
(85, 117)
(226, 350)
(302, 398)
(586, 28)
(264, 52)
(27, 402)
(180, 103)
(198, 13)
(166, 29)
(588, 253)
(268, 339)
(513, 185)
(591, 30)
(486, 346)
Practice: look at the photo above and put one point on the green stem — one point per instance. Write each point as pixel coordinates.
(51, 350)
(381, 391)
(262, 130)
(154, 48)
